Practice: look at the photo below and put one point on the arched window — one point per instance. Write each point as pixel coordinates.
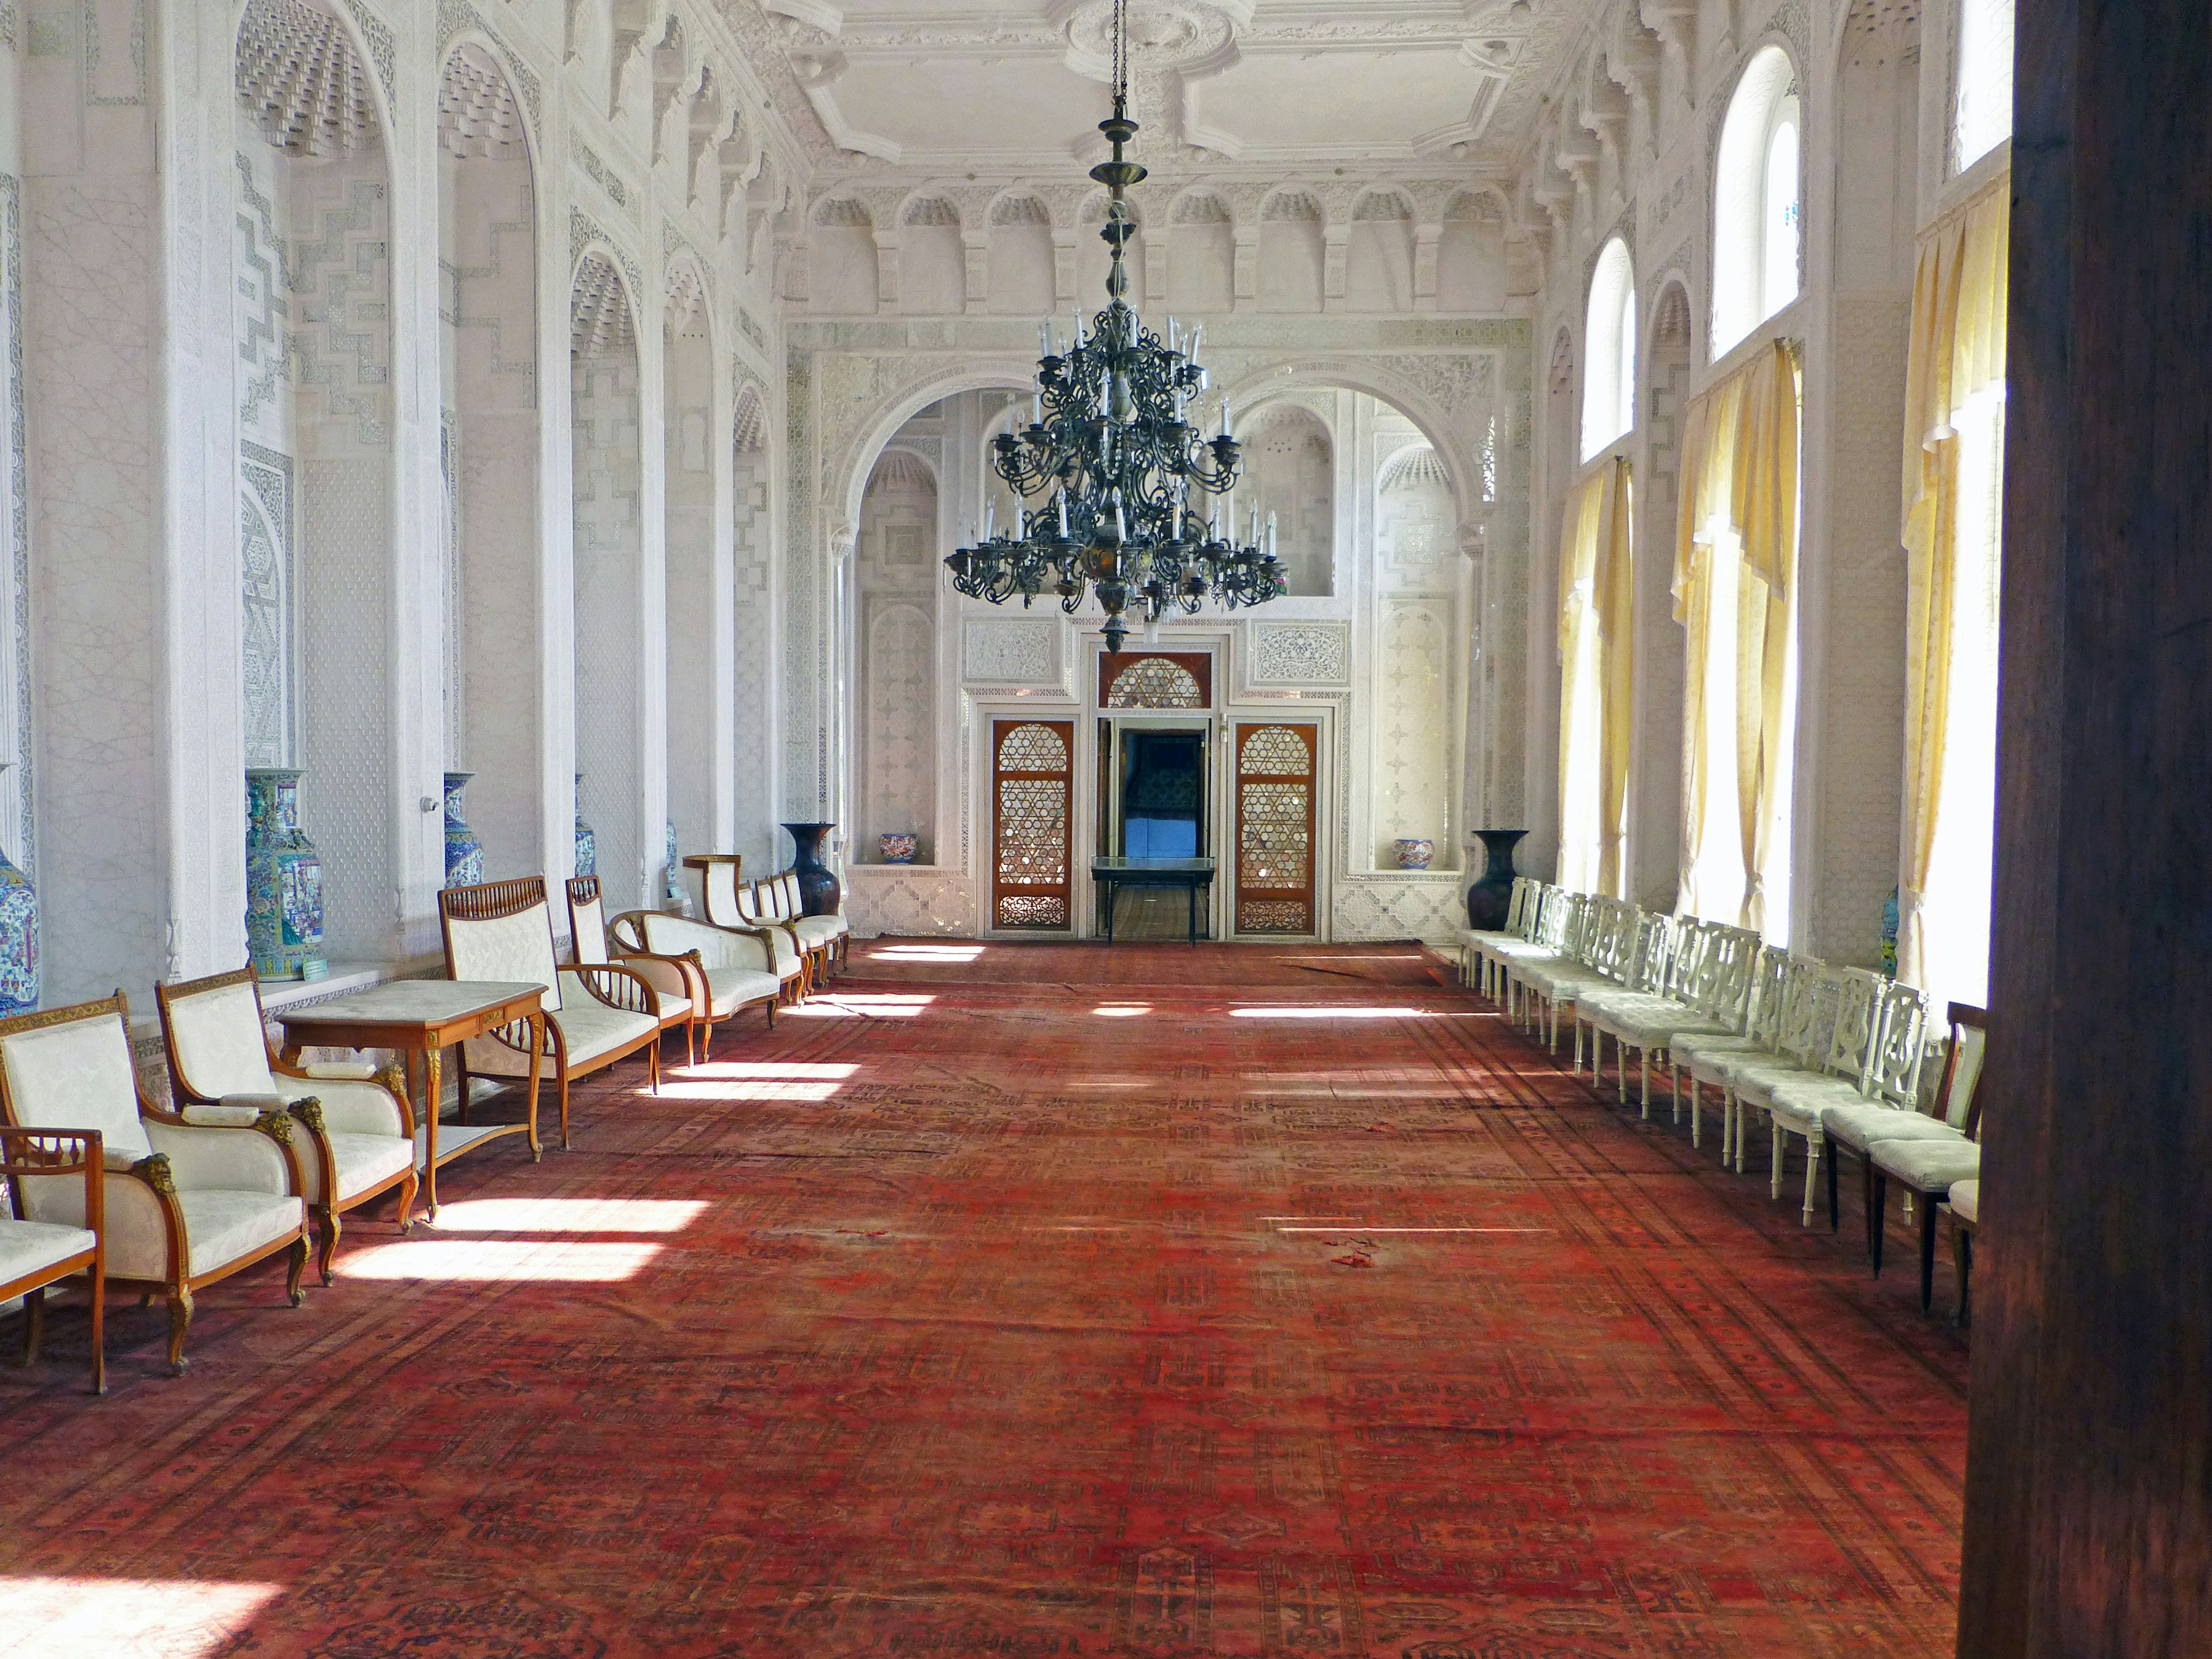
(1981, 105)
(1609, 384)
(1757, 200)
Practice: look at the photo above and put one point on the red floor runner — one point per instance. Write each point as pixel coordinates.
(1035, 1300)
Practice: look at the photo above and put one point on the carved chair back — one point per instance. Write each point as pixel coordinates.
(1654, 948)
(1809, 1017)
(718, 886)
(1853, 1043)
(1900, 1046)
(216, 1036)
(502, 931)
(1960, 1092)
(587, 923)
(69, 1068)
(1518, 904)
(1774, 976)
(1734, 960)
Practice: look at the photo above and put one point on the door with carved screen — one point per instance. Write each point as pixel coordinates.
(1275, 779)
(1032, 795)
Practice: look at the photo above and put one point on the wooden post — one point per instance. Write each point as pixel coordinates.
(2089, 1468)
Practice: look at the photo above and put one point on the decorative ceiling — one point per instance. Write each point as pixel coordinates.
(935, 86)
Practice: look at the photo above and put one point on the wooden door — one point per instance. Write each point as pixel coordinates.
(1032, 797)
(1275, 768)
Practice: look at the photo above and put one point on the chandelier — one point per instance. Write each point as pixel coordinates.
(1111, 453)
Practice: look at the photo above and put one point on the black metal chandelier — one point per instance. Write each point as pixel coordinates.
(1109, 452)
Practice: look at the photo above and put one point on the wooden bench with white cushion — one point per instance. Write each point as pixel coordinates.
(187, 1199)
(357, 1132)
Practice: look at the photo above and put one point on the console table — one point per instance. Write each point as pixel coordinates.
(1114, 873)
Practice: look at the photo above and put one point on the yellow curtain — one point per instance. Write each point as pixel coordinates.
(1957, 350)
(1737, 519)
(1597, 663)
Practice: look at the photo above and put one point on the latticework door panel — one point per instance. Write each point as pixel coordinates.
(1275, 829)
(1032, 794)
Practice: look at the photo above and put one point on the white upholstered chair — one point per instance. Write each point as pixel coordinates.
(1472, 962)
(824, 933)
(676, 989)
(1830, 1033)
(594, 1015)
(755, 907)
(1542, 924)
(1965, 1206)
(1876, 1019)
(1898, 1116)
(1931, 1170)
(1557, 930)
(34, 1254)
(187, 1199)
(1613, 953)
(1709, 995)
(729, 968)
(1781, 983)
(1591, 936)
(357, 1140)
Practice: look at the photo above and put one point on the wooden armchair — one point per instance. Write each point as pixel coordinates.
(360, 1140)
(739, 908)
(672, 982)
(825, 934)
(1930, 1169)
(594, 1015)
(35, 1254)
(730, 968)
(186, 1198)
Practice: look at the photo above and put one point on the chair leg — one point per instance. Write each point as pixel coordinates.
(181, 1321)
(771, 1013)
(1780, 1136)
(1811, 1167)
(99, 1286)
(1834, 1225)
(1962, 1258)
(1697, 1117)
(407, 1191)
(35, 1320)
(564, 1109)
(1877, 1201)
(1927, 1251)
(327, 1241)
(653, 1064)
(1644, 1065)
(295, 1269)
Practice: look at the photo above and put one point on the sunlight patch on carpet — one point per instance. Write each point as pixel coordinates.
(113, 1617)
(925, 953)
(487, 1261)
(1122, 1010)
(1345, 1011)
(569, 1215)
(862, 1005)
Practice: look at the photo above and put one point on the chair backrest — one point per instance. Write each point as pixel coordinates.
(588, 921)
(1561, 920)
(1654, 944)
(1774, 972)
(1734, 957)
(1961, 1096)
(718, 886)
(1853, 1043)
(217, 1044)
(1901, 1046)
(1689, 962)
(1601, 938)
(671, 936)
(69, 1068)
(1518, 904)
(1809, 1015)
(787, 896)
(502, 931)
(752, 905)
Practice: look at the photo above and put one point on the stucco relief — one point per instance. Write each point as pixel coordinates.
(1300, 653)
(1018, 652)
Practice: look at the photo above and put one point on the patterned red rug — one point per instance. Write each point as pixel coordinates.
(1029, 1301)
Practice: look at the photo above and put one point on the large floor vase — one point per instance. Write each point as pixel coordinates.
(818, 892)
(464, 855)
(283, 877)
(1490, 899)
(587, 844)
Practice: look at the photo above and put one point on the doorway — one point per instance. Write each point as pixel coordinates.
(1155, 790)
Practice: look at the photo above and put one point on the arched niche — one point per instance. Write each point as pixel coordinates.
(1379, 256)
(698, 779)
(311, 317)
(897, 556)
(1609, 365)
(931, 257)
(841, 264)
(1290, 251)
(1020, 256)
(1289, 478)
(609, 576)
(1201, 255)
(489, 404)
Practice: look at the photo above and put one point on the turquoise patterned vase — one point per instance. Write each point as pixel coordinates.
(463, 852)
(587, 844)
(283, 879)
(675, 897)
(19, 938)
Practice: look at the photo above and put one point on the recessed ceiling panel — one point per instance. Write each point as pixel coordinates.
(1332, 99)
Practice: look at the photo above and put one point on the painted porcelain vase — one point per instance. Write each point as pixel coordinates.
(465, 860)
(284, 878)
(19, 937)
(587, 844)
(1490, 899)
(675, 897)
(818, 892)
(1414, 853)
(897, 849)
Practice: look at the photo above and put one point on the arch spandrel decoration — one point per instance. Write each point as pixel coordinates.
(1032, 748)
(1274, 752)
(1152, 681)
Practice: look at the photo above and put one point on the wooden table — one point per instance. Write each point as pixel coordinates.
(1115, 873)
(425, 1017)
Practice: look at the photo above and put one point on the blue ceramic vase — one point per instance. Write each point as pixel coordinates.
(284, 878)
(587, 844)
(464, 859)
(19, 938)
(675, 897)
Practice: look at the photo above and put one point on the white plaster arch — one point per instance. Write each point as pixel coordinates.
(1263, 385)
(598, 247)
(1380, 188)
(845, 475)
(387, 124)
(1019, 193)
(932, 190)
(686, 261)
(1769, 79)
(494, 52)
(1612, 363)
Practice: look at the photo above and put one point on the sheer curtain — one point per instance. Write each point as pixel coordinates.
(1953, 490)
(1734, 588)
(1597, 587)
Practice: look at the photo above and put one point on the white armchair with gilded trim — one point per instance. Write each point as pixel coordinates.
(673, 982)
(595, 1015)
(739, 910)
(357, 1140)
(825, 934)
(733, 969)
(188, 1198)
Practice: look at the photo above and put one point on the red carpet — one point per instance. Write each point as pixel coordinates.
(1308, 1310)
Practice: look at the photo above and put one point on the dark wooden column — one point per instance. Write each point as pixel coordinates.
(2089, 1467)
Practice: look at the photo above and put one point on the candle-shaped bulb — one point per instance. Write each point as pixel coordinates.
(1224, 416)
(1063, 515)
(1120, 524)
(1044, 339)
(1037, 409)
(1172, 337)
(1271, 535)
(1252, 525)
(990, 519)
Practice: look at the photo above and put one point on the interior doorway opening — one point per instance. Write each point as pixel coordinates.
(1155, 801)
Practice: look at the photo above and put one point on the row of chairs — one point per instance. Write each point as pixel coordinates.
(1834, 1057)
(254, 1153)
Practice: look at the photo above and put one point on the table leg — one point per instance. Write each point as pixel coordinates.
(537, 1057)
(1190, 905)
(430, 1092)
(1111, 890)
